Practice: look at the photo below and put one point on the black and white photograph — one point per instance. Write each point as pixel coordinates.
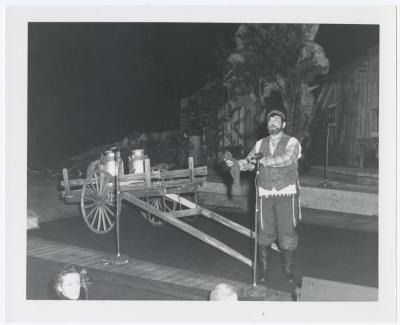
(189, 161)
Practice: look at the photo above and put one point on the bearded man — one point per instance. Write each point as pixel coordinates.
(278, 190)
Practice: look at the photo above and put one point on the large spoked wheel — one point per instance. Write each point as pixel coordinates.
(98, 205)
(161, 204)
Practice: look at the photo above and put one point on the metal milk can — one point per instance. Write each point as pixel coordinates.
(108, 162)
(136, 161)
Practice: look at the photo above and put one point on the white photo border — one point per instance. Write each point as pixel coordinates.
(20, 309)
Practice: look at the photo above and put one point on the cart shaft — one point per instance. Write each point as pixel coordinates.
(212, 215)
(170, 218)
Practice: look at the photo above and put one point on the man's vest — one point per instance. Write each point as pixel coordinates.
(278, 177)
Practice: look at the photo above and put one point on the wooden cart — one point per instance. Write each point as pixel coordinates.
(159, 194)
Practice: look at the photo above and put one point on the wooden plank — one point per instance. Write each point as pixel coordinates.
(183, 182)
(154, 175)
(35, 242)
(190, 188)
(132, 186)
(143, 268)
(179, 173)
(139, 176)
(368, 114)
(145, 192)
(65, 177)
(80, 182)
(147, 172)
(51, 253)
(109, 188)
(122, 178)
(139, 268)
(185, 202)
(73, 182)
(228, 223)
(40, 271)
(179, 183)
(48, 251)
(39, 249)
(139, 189)
(364, 107)
(376, 82)
(214, 216)
(191, 169)
(160, 273)
(187, 228)
(185, 213)
(149, 285)
(75, 198)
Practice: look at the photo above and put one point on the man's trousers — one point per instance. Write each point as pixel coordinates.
(279, 217)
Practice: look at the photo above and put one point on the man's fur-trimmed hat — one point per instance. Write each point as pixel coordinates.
(276, 112)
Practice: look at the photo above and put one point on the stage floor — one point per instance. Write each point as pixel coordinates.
(330, 253)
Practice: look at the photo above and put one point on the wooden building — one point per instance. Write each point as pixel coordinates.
(199, 121)
(239, 119)
(349, 101)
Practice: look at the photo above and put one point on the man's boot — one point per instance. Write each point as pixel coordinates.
(264, 253)
(287, 264)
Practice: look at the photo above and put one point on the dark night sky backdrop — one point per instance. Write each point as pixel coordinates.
(94, 83)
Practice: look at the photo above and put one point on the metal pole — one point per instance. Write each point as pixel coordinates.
(325, 181)
(326, 153)
(254, 291)
(85, 283)
(119, 259)
(117, 194)
(256, 228)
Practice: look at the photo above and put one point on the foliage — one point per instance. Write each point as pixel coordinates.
(204, 105)
(211, 137)
(181, 144)
(282, 57)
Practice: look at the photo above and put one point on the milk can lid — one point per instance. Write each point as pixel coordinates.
(109, 153)
(137, 152)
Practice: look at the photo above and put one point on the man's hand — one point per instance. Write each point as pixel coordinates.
(252, 161)
(243, 164)
(229, 162)
(265, 161)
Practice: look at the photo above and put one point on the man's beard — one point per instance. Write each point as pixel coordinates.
(274, 129)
